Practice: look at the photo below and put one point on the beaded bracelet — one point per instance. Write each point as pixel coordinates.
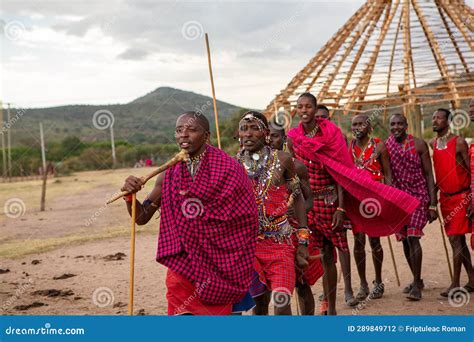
(303, 234)
(149, 202)
(128, 198)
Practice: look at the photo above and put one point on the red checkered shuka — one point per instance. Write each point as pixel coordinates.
(407, 170)
(408, 176)
(209, 227)
(472, 193)
(389, 208)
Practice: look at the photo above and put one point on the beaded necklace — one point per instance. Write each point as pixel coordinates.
(442, 142)
(194, 162)
(359, 161)
(313, 132)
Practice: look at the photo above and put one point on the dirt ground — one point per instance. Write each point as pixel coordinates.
(74, 258)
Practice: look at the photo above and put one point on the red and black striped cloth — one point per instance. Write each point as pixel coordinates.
(208, 227)
(390, 208)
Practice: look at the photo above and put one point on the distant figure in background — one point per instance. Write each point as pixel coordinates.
(148, 162)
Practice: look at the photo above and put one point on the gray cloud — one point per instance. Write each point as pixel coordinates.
(133, 54)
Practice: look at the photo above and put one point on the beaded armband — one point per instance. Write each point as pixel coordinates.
(302, 234)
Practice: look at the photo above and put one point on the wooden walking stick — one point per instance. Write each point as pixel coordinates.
(393, 260)
(181, 156)
(132, 255)
(441, 226)
(216, 115)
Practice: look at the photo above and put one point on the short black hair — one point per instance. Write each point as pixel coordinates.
(200, 118)
(311, 97)
(257, 115)
(446, 112)
(323, 107)
(400, 115)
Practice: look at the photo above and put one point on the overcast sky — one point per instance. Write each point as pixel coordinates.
(58, 52)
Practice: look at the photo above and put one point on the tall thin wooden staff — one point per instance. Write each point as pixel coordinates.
(182, 155)
(4, 154)
(9, 143)
(393, 260)
(216, 115)
(45, 169)
(132, 255)
(441, 226)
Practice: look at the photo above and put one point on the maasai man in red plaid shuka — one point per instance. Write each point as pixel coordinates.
(274, 178)
(308, 277)
(208, 226)
(369, 154)
(339, 187)
(453, 178)
(471, 210)
(411, 172)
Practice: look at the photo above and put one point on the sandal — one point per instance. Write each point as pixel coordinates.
(415, 294)
(350, 300)
(408, 288)
(378, 290)
(362, 294)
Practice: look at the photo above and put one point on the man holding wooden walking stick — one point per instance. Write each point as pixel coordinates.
(451, 165)
(208, 226)
(411, 172)
(369, 153)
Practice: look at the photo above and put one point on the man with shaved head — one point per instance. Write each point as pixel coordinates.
(209, 221)
(370, 154)
(412, 173)
(451, 165)
(471, 209)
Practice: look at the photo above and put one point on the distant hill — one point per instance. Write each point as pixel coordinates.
(150, 118)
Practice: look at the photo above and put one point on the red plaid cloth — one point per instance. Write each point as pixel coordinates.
(472, 193)
(379, 209)
(209, 227)
(452, 178)
(275, 264)
(315, 268)
(408, 176)
(183, 298)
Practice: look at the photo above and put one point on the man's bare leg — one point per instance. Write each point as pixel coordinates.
(282, 303)
(456, 245)
(345, 257)
(261, 304)
(406, 251)
(305, 299)
(377, 258)
(416, 257)
(466, 260)
(360, 259)
(331, 277)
